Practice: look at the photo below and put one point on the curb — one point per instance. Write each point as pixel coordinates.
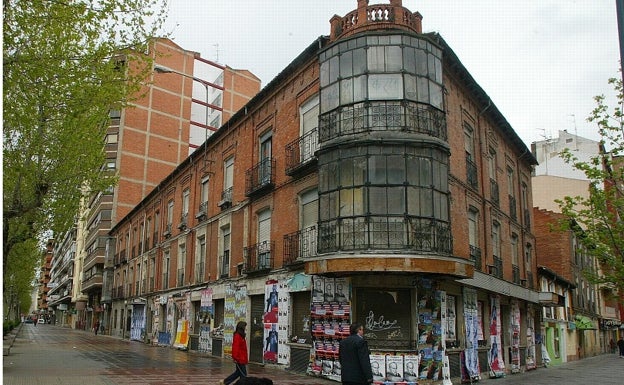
(9, 339)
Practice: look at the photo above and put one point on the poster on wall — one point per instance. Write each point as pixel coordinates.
(394, 368)
(495, 353)
(410, 367)
(283, 348)
(182, 335)
(470, 368)
(531, 363)
(515, 336)
(206, 320)
(432, 318)
(235, 310)
(378, 365)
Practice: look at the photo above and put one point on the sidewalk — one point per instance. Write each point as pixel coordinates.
(9, 339)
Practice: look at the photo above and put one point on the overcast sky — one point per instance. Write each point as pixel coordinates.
(540, 61)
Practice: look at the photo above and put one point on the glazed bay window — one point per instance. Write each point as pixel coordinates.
(392, 197)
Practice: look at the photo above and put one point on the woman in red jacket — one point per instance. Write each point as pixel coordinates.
(239, 354)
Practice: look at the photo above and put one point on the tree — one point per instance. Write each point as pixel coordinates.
(64, 69)
(598, 220)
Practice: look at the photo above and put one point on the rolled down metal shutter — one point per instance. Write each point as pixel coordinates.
(256, 329)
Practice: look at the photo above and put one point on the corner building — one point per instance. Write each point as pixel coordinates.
(372, 180)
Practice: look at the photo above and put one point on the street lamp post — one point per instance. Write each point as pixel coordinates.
(165, 70)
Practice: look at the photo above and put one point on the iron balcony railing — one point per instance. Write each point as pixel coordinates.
(475, 256)
(471, 173)
(224, 263)
(260, 176)
(494, 196)
(513, 209)
(259, 257)
(301, 152)
(226, 197)
(199, 272)
(202, 212)
(515, 271)
(300, 245)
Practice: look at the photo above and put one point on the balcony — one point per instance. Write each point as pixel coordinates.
(369, 117)
(496, 269)
(471, 173)
(300, 154)
(475, 256)
(200, 269)
(202, 212)
(226, 198)
(299, 245)
(260, 177)
(93, 282)
(167, 232)
(183, 222)
(494, 195)
(259, 257)
(224, 264)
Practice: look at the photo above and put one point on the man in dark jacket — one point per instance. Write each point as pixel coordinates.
(355, 358)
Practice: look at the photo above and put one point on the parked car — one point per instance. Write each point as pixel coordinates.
(28, 320)
(41, 320)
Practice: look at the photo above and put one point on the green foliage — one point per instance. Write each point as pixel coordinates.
(19, 278)
(598, 219)
(64, 68)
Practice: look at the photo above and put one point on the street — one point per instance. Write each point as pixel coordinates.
(47, 354)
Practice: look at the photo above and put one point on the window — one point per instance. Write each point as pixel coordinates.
(169, 214)
(264, 239)
(228, 173)
(492, 164)
(308, 116)
(473, 227)
(201, 259)
(185, 202)
(528, 251)
(496, 240)
(165, 273)
(308, 220)
(469, 141)
(264, 171)
(511, 184)
(148, 228)
(112, 138)
(204, 190)
(181, 264)
(225, 246)
(514, 249)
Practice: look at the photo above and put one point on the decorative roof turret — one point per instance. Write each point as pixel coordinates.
(374, 17)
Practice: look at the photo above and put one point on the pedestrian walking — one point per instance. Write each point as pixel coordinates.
(620, 345)
(355, 358)
(239, 354)
(612, 346)
(96, 327)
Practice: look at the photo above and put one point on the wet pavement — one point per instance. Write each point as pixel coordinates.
(47, 354)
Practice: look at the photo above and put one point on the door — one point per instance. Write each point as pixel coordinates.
(256, 329)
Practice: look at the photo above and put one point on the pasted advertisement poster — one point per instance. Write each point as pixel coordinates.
(275, 315)
(235, 311)
(206, 320)
(495, 353)
(431, 325)
(470, 369)
(378, 365)
(182, 331)
(329, 323)
(410, 367)
(515, 336)
(283, 349)
(531, 363)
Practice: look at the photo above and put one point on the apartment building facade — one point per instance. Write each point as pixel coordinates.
(146, 141)
(372, 180)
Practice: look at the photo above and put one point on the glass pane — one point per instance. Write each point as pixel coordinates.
(377, 170)
(359, 61)
(359, 171)
(396, 200)
(409, 60)
(334, 69)
(346, 203)
(376, 59)
(412, 171)
(377, 201)
(324, 73)
(346, 64)
(346, 91)
(346, 173)
(413, 201)
(359, 88)
(411, 90)
(426, 202)
(438, 70)
(421, 62)
(436, 95)
(394, 59)
(359, 201)
(396, 170)
(387, 86)
(423, 90)
(324, 207)
(329, 98)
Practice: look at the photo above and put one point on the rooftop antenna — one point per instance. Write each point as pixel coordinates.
(575, 132)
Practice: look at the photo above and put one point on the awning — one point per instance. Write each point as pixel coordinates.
(584, 323)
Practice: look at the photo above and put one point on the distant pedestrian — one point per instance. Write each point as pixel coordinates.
(96, 327)
(35, 321)
(620, 345)
(355, 358)
(239, 354)
(612, 346)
